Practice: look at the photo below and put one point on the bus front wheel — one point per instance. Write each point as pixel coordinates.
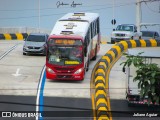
(87, 66)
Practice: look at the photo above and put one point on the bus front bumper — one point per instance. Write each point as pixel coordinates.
(54, 76)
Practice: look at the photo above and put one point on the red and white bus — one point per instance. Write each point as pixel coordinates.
(73, 42)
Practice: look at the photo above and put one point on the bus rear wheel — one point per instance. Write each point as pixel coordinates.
(95, 57)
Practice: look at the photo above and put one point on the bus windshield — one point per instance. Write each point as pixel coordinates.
(64, 55)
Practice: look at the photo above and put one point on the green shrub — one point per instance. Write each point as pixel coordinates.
(147, 75)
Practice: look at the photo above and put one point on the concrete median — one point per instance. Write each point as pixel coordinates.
(100, 76)
(13, 36)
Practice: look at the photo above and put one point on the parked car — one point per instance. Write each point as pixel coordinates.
(146, 35)
(35, 43)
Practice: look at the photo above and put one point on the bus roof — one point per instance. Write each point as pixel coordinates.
(74, 24)
(80, 17)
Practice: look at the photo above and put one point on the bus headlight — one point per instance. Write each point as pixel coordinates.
(79, 71)
(50, 70)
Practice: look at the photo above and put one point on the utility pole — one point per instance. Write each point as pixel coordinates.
(138, 15)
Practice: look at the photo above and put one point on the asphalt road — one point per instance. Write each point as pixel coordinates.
(19, 78)
(121, 111)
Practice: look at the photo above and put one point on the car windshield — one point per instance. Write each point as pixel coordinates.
(68, 55)
(147, 34)
(124, 28)
(36, 38)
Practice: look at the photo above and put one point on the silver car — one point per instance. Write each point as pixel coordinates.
(147, 35)
(35, 43)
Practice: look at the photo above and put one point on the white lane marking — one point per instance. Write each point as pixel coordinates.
(2, 56)
(17, 73)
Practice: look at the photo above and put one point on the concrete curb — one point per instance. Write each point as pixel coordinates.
(13, 36)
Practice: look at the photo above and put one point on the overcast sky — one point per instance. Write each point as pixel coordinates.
(24, 13)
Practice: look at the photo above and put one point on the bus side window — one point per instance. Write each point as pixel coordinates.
(85, 46)
(91, 30)
(88, 36)
(98, 26)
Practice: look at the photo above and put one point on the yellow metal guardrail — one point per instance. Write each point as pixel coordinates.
(100, 76)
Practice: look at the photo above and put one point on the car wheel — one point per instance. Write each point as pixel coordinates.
(112, 42)
(24, 53)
